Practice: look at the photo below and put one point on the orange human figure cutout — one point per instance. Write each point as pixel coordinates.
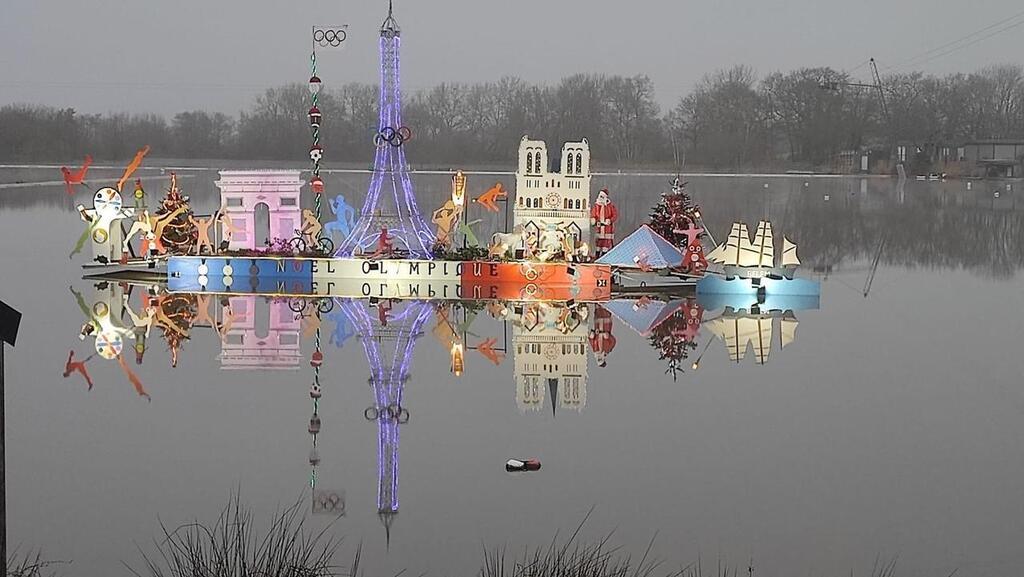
(73, 366)
(385, 246)
(489, 199)
(160, 223)
(227, 226)
(486, 349)
(133, 378)
(132, 166)
(76, 177)
(383, 311)
(203, 313)
(203, 226)
(227, 315)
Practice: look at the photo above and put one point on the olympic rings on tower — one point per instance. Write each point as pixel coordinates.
(394, 136)
(332, 37)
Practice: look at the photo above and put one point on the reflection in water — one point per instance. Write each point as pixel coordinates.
(388, 340)
(103, 323)
(741, 330)
(251, 340)
(550, 343)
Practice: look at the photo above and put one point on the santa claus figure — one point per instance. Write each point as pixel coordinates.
(602, 217)
(601, 340)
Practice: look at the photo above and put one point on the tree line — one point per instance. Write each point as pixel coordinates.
(731, 120)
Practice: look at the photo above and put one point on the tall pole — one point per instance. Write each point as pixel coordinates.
(3, 467)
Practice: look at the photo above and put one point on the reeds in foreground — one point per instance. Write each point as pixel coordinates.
(232, 547)
(572, 559)
(29, 565)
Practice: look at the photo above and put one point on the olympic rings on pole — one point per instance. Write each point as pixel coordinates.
(329, 37)
(394, 136)
(391, 412)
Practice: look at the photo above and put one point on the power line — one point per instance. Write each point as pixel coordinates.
(958, 41)
(969, 44)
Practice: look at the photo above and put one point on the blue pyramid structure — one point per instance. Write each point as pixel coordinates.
(644, 242)
(641, 319)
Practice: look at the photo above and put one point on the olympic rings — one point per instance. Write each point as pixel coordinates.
(393, 412)
(332, 37)
(394, 136)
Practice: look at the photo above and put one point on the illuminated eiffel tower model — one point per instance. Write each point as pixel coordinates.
(388, 341)
(391, 201)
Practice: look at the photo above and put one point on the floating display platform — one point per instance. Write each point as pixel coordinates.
(390, 278)
(767, 286)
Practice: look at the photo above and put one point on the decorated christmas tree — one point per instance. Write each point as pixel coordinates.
(179, 234)
(176, 314)
(675, 213)
(676, 336)
(671, 347)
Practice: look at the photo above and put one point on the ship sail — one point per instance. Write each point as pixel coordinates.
(764, 244)
(740, 332)
(789, 257)
(762, 339)
(718, 255)
(737, 250)
(787, 326)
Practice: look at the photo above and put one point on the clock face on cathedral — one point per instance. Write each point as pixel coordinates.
(553, 199)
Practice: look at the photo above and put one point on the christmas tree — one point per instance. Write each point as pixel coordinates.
(176, 314)
(676, 336)
(674, 213)
(179, 234)
(671, 346)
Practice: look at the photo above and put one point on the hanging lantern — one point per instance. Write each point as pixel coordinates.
(316, 152)
(317, 184)
(314, 85)
(315, 117)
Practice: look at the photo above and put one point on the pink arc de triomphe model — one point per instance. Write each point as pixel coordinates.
(273, 195)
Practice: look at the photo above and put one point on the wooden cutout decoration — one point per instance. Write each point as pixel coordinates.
(104, 228)
(132, 166)
(489, 199)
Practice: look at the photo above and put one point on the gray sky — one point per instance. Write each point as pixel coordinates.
(149, 56)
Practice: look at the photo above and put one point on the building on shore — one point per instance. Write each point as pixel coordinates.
(997, 158)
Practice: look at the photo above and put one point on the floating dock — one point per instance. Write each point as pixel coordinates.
(390, 278)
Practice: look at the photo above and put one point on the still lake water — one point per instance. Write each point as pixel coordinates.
(893, 424)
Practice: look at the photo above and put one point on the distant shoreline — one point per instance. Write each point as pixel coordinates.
(177, 165)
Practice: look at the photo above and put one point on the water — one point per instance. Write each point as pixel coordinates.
(890, 426)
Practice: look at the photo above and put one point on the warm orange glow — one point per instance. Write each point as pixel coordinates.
(458, 358)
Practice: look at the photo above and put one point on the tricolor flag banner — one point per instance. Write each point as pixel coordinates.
(329, 37)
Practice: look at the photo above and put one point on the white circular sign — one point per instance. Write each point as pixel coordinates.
(107, 202)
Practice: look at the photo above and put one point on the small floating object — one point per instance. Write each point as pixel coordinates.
(515, 465)
(317, 359)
